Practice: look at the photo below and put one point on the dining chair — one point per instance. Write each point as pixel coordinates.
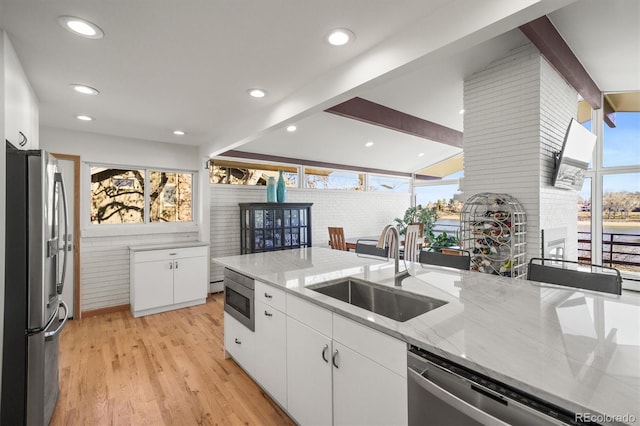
(566, 273)
(461, 260)
(385, 246)
(336, 238)
(411, 244)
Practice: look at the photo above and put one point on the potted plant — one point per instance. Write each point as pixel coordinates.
(418, 215)
(443, 240)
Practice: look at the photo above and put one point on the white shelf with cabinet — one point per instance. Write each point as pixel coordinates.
(321, 367)
(164, 278)
(21, 115)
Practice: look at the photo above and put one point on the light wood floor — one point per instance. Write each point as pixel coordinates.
(167, 368)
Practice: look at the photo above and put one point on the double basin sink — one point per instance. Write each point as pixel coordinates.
(396, 304)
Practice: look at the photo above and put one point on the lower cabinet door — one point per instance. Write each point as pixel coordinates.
(366, 393)
(239, 343)
(271, 351)
(308, 375)
(190, 279)
(153, 284)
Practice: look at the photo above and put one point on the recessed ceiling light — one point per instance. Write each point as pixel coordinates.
(85, 90)
(461, 111)
(340, 37)
(84, 118)
(291, 128)
(178, 132)
(81, 27)
(368, 144)
(421, 154)
(257, 93)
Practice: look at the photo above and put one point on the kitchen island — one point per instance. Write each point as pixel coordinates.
(579, 350)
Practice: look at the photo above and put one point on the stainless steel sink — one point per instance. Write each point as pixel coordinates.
(391, 303)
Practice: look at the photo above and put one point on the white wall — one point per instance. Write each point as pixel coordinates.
(104, 269)
(516, 113)
(359, 213)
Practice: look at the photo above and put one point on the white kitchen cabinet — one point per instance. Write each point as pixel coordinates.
(239, 342)
(21, 107)
(164, 279)
(348, 374)
(366, 393)
(309, 395)
(271, 351)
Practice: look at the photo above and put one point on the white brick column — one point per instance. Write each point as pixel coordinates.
(516, 114)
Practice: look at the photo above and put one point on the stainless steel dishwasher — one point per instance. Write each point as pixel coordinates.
(443, 393)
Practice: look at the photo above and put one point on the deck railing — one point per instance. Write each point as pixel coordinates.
(618, 250)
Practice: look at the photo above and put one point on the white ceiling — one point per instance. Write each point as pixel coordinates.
(187, 64)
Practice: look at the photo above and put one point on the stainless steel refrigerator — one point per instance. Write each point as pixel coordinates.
(35, 268)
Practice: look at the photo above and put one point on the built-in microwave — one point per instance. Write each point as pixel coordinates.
(239, 297)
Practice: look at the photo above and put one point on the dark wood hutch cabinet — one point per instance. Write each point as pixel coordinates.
(274, 226)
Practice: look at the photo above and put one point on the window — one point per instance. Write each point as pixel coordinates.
(584, 222)
(240, 173)
(441, 198)
(621, 144)
(333, 179)
(388, 184)
(170, 197)
(610, 229)
(621, 221)
(119, 196)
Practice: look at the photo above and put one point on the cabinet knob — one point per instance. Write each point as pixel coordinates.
(176, 264)
(267, 295)
(268, 314)
(238, 342)
(334, 359)
(170, 265)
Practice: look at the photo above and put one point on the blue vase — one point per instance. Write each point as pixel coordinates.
(271, 189)
(281, 189)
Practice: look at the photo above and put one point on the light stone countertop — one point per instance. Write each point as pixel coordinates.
(577, 349)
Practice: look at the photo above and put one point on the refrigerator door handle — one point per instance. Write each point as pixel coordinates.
(50, 334)
(60, 285)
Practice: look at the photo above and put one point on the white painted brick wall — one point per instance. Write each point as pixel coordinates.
(359, 213)
(104, 270)
(516, 113)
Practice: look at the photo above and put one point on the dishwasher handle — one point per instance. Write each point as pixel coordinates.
(452, 400)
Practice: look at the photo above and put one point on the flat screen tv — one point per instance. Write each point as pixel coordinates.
(573, 161)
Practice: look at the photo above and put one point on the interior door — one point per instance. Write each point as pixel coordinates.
(67, 168)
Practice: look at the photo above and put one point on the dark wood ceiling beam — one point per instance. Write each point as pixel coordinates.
(609, 113)
(320, 164)
(549, 41)
(380, 115)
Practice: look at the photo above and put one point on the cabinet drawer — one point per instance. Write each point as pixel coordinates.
(239, 343)
(176, 253)
(271, 296)
(320, 319)
(379, 347)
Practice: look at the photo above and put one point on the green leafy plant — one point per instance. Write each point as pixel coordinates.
(417, 215)
(443, 240)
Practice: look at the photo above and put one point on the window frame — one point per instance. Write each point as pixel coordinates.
(90, 229)
(597, 172)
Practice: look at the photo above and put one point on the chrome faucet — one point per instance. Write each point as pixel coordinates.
(398, 276)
